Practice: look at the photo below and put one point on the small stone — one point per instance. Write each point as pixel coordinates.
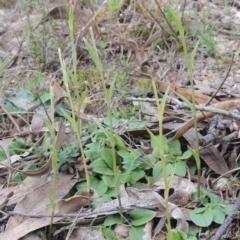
(227, 22)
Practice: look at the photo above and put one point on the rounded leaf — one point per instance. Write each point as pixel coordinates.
(141, 216)
(218, 215)
(108, 233)
(112, 220)
(181, 169)
(203, 219)
(136, 233)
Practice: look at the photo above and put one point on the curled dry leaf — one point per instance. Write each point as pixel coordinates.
(140, 54)
(80, 199)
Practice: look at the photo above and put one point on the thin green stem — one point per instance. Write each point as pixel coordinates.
(189, 61)
(161, 151)
(76, 122)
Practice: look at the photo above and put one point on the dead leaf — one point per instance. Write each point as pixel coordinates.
(140, 54)
(214, 160)
(36, 202)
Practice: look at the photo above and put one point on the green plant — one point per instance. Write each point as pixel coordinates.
(137, 220)
(18, 147)
(53, 156)
(213, 211)
(108, 95)
(71, 75)
(68, 153)
(189, 58)
(41, 43)
(114, 6)
(207, 40)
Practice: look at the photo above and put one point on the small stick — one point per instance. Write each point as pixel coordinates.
(223, 81)
(11, 118)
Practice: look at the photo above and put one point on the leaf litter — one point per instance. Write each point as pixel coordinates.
(138, 43)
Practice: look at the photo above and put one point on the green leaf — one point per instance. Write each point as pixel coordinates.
(115, 122)
(181, 169)
(106, 154)
(156, 153)
(141, 216)
(228, 208)
(136, 233)
(125, 178)
(203, 218)
(119, 143)
(103, 44)
(214, 198)
(100, 166)
(99, 186)
(108, 233)
(186, 155)
(124, 153)
(177, 235)
(112, 220)
(109, 181)
(135, 176)
(155, 142)
(45, 97)
(174, 147)
(218, 215)
(158, 170)
(25, 95)
(2, 155)
(94, 55)
(191, 237)
(196, 156)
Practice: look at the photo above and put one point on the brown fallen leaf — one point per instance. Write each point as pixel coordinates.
(140, 54)
(211, 156)
(37, 202)
(214, 160)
